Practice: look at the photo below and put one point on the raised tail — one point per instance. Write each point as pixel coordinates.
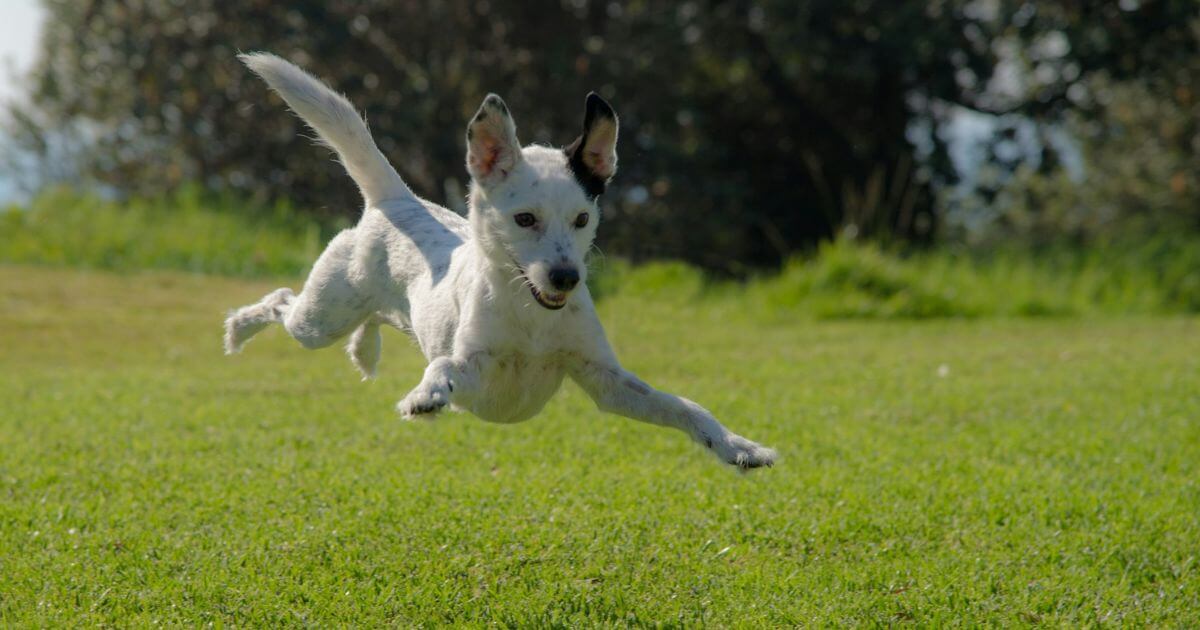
(337, 124)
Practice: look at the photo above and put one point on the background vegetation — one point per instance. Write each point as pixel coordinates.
(751, 130)
(943, 254)
(202, 233)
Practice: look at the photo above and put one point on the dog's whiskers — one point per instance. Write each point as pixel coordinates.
(521, 282)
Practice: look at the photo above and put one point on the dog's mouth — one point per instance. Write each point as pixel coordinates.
(553, 301)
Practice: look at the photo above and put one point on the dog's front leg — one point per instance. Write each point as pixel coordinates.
(445, 378)
(619, 391)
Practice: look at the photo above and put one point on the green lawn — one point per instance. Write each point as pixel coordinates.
(1009, 472)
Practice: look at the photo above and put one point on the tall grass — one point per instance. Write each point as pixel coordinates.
(202, 233)
(852, 280)
(861, 280)
(190, 231)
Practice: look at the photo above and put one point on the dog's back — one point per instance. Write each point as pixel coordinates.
(403, 245)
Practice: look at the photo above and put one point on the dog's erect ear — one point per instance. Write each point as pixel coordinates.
(493, 150)
(593, 155)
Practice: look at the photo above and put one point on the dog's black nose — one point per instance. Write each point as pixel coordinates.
(564, 278)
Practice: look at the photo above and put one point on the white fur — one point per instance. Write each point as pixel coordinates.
(464, 288)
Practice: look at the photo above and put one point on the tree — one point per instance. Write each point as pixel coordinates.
(1118, 79)
(750, 129)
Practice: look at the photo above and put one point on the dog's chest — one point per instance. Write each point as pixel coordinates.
(516, 385)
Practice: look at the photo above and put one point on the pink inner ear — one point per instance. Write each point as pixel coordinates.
(595, 159)
(485, 157)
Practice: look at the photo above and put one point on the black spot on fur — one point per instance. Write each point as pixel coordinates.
(498, 103)
(481, 116)
(595, 109)
(708, 442)
(470, 134)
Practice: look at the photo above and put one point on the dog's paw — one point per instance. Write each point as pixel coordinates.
(736, 450)
(424, 401)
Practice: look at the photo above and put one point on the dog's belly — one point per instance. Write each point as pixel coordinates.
(515, 387)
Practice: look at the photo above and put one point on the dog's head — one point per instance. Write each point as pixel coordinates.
(533, 209)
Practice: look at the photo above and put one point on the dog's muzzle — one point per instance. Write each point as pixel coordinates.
(551, 301)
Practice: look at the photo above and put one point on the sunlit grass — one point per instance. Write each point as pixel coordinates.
(189, 231)
(1008, 472)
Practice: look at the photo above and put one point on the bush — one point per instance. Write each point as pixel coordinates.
(844, 279)
(855, 280)
(188, 231)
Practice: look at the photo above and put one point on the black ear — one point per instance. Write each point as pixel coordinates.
(592, 157)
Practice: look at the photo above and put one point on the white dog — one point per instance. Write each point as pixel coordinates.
(496, 301)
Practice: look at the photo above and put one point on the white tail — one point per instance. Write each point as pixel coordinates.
(336, 122)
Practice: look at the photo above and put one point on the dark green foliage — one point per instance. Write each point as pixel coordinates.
(747, 122)
(751, 130)
(1120, 79)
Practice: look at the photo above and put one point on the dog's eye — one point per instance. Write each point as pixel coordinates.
(525, 219)
(581, 220)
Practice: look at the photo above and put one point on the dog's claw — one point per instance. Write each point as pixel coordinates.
(409, 412)
(746, 455)
(423, 403)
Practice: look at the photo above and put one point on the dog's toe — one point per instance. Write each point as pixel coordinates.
(747, 455)
(423, 403)
(758, 458)
(411, 411)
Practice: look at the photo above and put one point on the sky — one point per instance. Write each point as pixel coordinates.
(20, 24)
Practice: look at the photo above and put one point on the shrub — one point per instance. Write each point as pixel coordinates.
(187, 231)
(195, 232)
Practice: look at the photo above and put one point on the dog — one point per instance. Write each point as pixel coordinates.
(497, 301)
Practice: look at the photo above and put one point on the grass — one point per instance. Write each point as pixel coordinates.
(189, 231)
(200, 232)
(856, 280)
(998, 471)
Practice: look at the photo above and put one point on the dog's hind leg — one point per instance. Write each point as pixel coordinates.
(331, 305)
(365, 346)
(248, 321)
